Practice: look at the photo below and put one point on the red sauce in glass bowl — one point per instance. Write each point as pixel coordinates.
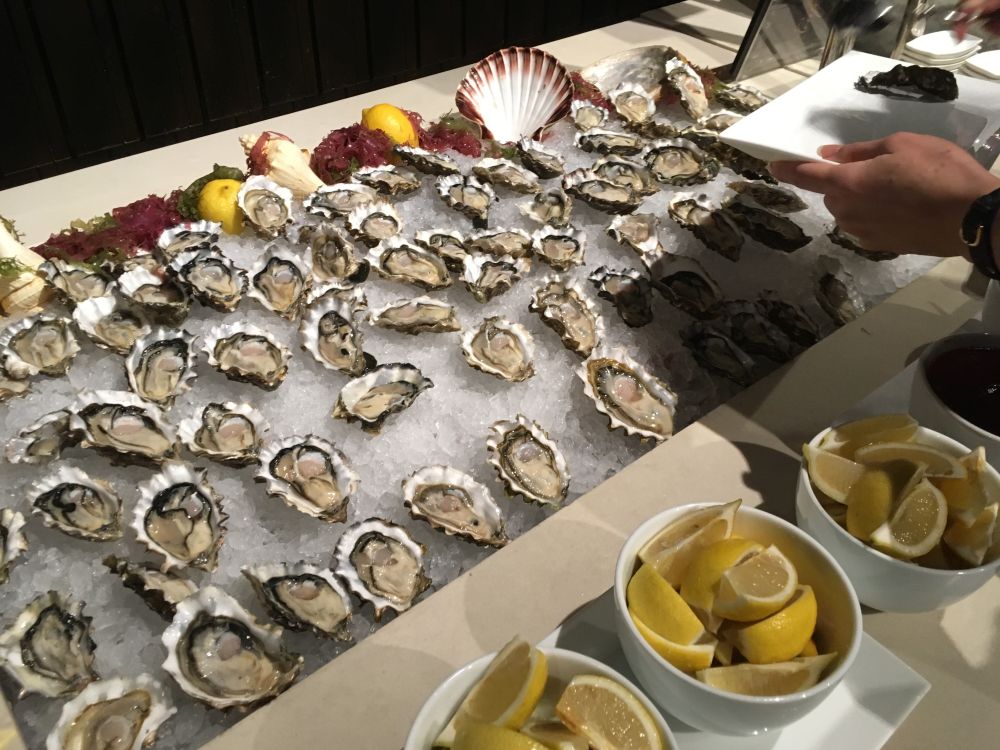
(968, 382)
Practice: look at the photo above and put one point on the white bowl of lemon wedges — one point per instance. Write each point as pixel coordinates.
(529, 698)
(909, 513)
(733, 620)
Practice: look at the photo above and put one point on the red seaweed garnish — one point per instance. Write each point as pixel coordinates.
(344, 150)
(445, 134)
(585, 90)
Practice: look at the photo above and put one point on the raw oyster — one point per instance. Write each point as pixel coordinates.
(188, 235)
(428, 162)
(73, 284)
(162, 300)
(115, 267)
(563, 307)
(754, 333)
(741, 98)
(767, 227)
(560, 248)
(455, 503)
(219, 654)
(43, 342)
(741, 162)
(685, 80)
(266, 204)
(213, 279)
(48, 649)
(468, 196)
(609, 141)
(302, 597)
(719, 354)
(542, 161)
(768, 196)
(374, 222)
(625, 172)
(330, 333)
(14, 375)
(551, 207)
(122, 423)
(247, 354)
(685, 284)
(719, 121)
(912, 83)
(838, 300)
(527, 461)
(160, 365)
(279, 280)
(180, 516)
(447, 244)
(501, 348)
(416, 316)
(638, 231)
(399, 260)
(69, 500)
(385, 390)
(123, 714)
(388, 180)
(161, 592)
(657, 126)
(628, 291)
(110, 323)
(587, 115)
(12, 540)
(631, 396)
(791, 319)
(713, 227)
(334, 260)
(499, 242)
(507, 173)
(487, 277)
(229, 433)
(338, 200)
(679, 162)
(632, 102)
(310, 475)
(839, 237)
(41, 441)
(699, 136)
(381, 564)
(600, 193)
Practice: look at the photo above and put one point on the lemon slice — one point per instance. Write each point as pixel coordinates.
(724, 653)
(831, 474)
(671, 551)
(488, 737)
(810, 649)
(701, 581)
(869, 503)
(768, 679)
(608, 715)
(507, 693)
(687, 658)
(939, 463)
(655, 602)
(780, 637)
(757, 587)
(884, 428)
(555, 736)
(971, 542)
(968, 497)
(917, 524)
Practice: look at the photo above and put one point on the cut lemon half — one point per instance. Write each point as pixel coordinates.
(884, 428)
(607, 715)
(969, 496)
(871, 499)
(780, 637)
(655, 602)
(556, 736)
(939, 463)
(831, 474)
(506, 694)
(757, 587)
(701, 581)
(972, 542)
(672, 549)
(916, 525)
(687, 658)
(489, 737)
(768, 679)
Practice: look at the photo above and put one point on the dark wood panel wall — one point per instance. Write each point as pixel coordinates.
(87, 81)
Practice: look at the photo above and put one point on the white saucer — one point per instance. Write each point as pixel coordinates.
(941, 45)
(986, 64)
(943, 66)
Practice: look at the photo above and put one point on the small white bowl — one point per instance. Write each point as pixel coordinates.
(883, 582)
(563, 666)
(713, 710)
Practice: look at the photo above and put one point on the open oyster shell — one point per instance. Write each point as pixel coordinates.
(640, 65)
(609, 141)
(428, 162)
(266, 204)
(756, 334)
(121, 713)
(500, 348)
(468, 196)
(719, 354)
(684, 283)
(790, 318)
(13, 542)
(500, 241)
(632, 102)
(122, 424)
(381, 564)
(637, 231)
(388, 179)
(507, 173)
(564, 308)
(213, 279)
(73, 284)
(280, 280)
(527, 461)
(188, 235)
(766, 226)
(229, 433)
(684, 79)
(837, 299)
(374, 222)
(334, 260)
(447, 244)
(15, 375)
(308, 474)
(628, 291)
(543, 161)
(768, 196)
(160, 365)
(48, 650)
(600, 193)
(623, 171)
(70, 501)
(551, 207)
(741, 98)
(398, 260)
(373, 397)
(487, 277)
(162, 300)
(587, 115)
(560, 248)
(161, 591)
(219, 654)
(712, 226)
(42, 440)
(418, 315)
(677, 161)
(631, 397)
(43, 342)
(110, 323)
(302, 597)
(248, 354)
(339, 199)
(329, 331)
(455, 503)
(847, 241)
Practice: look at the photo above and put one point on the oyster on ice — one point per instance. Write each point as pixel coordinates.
(428, 162)
(72, 283)
(162, 300)
(551, 207)
(679, 162)
(527, 461)
(266, 204)
(188, 235)
(43, 342)
(110, 323)
(628, 291)
(774, 198)
(302, 597)
(14, 375)
(334, 260)
(388, 179)
(160, 365)
(684, 79)
(161, 591)
(741, 98)
(839, 237)
(48, 649)
(329, 332)
(631, 397)
(719, 121)
(713, 227)
(837, 299)
(41, 441)
(507, 173)
(632, 102)
(627, 173)
(609, 141)
(308, 474)
(542, 161)
(563, 307)
(468, 196)
(601, 193)
(447, 244)
(790, 318)
(587, 115)
(338, 200)
(500, 242)
(374, 223)
(229, 433)
(754, 333)
(70, 501)
(381, 564)
(487, 277)
(685, 283)
(455, 503)
(418, 315)
(500, 348)
(373, 397)
(279, 280)
(767, 227)
(120, 422)
(399, 260)
(247, 354)
(560, 248)
(638, 231)
(12, 540)
(640, 65)
(219, 654)
(741, 162)
(213, 279)
(719, 354)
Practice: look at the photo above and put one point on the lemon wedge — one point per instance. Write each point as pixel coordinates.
(488, 737)
(655, 602)
(884, 428)
(969, 496)
(768, 679)
(701, 581)
(971, 542)
(556, 736)
(831, 474)
(607, 715)
(671, 551)
(916, 525)
(938, 462)
(780, 637)
(686, 657)
(757, 587)
(810, 649)
(392, 121)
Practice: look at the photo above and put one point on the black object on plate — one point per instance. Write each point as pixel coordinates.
(913, 82)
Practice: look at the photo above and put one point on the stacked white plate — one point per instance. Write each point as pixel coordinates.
(941, 49)
(984, 65)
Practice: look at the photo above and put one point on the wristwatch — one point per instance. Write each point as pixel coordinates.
(976, 230)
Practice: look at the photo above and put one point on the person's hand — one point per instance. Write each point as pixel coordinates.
(988, 12)
(903, 194)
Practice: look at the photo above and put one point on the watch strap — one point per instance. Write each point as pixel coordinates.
(976, 231)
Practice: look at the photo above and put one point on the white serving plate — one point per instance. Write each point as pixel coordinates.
(952, 66)
(827, 109)
(986, 63)
(940, 45)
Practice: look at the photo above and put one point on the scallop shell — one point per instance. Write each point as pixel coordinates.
(183, 344)
(543, 161)
(587, 115)
(487, 277)
(485, 334)
(515, 481)
(13, 542)
(161, 299)
(92, 315)
(42, 440)
(91, 403)
(553, 314)
(242, 368)
(206, 289)
(560, 248)
(361, 223)
(500, 241)
(53, 512)
(447, 244)
(481, 520)
(339, 199)
(420, 267)
(388, 179)
(294, 274)
(161, 592)
(403, 315)
(261, 578)
(347, 353)
(73, 283)
(187, 235)
(16, 337)
(429, 162)
(189, 431)
(276, 215)
(457, 192)
(507, 173)
(354, 394)
(345, 478)
(632, 102)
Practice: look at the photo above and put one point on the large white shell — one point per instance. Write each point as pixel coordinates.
(485, 525)
(359, 222)
(394, 316)
(129, 400)
(14, 540)
(490, 327)
(53, 326)
(554, 315)
(73, 283)
(185, 347)
(295, 270)
(131, 283)
(261, 575)
(515, 92)
(73, 476)
(160, 709)
(241, 370)
(90, 313)
(549, 245)
(346, 478)
(186, 236)
(433, 275)
(354, 360)
(268, 225)
(352, 396)
(500, 433)
(487, 277)
(42, 440)
(188, 431)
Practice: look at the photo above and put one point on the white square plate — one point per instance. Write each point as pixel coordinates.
(986, 63)
(942, 44)
(826, 108)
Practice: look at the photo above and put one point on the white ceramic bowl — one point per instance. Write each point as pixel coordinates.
(563, 666)
(838, 629)
(881, 581)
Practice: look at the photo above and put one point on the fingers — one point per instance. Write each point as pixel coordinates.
(816, 177)
(861, 151)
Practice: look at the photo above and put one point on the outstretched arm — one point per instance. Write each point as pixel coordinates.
(987, 10)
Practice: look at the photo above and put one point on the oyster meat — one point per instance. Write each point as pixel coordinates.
(740, 98)
(685, 283)
(266, 204)
(302, 597)
(398, 260)
(679, 162)
(247, 354)
(329, 332)
(791, 319)
(13, 542)
(160, 365)
(767, 227)
(609, 141)
(310, 475)
(687, 83)
(501, 348)
(110, 323)
(447, 244)
(719, 354)
(121, 423)
(455, 503)
(637, 231)
(468, 196)
(587, 115)
(70, 501)
(229, 433)
(600, 193)
(72, 283)
(627, 173)
(338, 200)
(542, 161)
(43, 342)
(188, 235)
(213, 279)
(839, 237)
(911, 82)
(632, 102)
(719, 121)
(527, 461)
(560, 248)
(774, 198)
(631, 397)
(563, 307)
(837, 299)
(388, 180)
(374, 223)
(14, 375)
(163, 301)
(551, 207)
(755, 334)
(161, 592)
(428, 162)
(628, 291)
(741, 162)
(334, 260)
(280, 280)
(487, 277)
(500, 242)
(713, 227)
(373, 397)
(416, 316)
(41, 441)
(507, 173)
